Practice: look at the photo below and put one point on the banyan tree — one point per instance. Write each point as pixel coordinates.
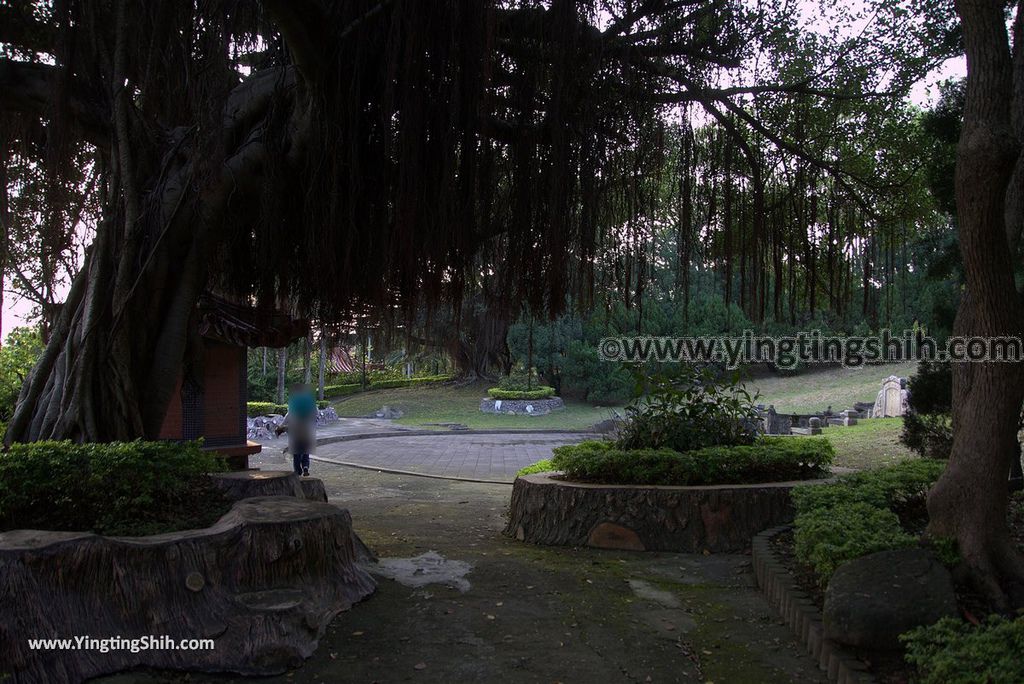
(367, 155)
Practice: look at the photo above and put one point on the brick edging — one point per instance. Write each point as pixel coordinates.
(800, 613)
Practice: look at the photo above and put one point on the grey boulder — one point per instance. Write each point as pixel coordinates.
(871, 600)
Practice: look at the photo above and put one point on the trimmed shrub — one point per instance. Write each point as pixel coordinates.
(520, 380)
(542, 392)
(955, 652)
(263, 408)
(542, 466)
(825, 538)
(118, 488)
(896, 486)
(694, 411)
(335, 391)
(860, 514)
(770, 459)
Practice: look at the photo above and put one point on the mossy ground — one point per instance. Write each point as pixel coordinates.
(533, 613)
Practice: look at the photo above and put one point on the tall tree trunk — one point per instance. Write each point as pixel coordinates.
(727, 225)
(282, 372)
(322, 374)
(307, 358)
(969, 502)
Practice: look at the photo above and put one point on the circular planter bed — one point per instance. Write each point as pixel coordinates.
(522, 407)
(719, 518)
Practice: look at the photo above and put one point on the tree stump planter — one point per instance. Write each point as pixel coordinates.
(245, 484)
(721, 518)
(262, 583)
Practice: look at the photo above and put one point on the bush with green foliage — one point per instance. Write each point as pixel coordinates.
(541, 392)
(117, 488)
(860, 514)
(769, 459)
(953, 651)
(18, 354)
(264, 408)
(928, 426)
(693, 411)
(542, 466)
(896, 487)
(826, 538)
(584, 374)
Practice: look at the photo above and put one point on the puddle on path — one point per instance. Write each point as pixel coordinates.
(426, 568)
(646, 590)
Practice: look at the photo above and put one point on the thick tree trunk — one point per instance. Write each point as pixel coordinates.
(118, 345)
(969, 503)
(126, 331)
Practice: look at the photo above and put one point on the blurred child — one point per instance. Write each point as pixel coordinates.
(300, 424)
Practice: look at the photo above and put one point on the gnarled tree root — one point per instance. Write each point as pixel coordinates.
(262, 583)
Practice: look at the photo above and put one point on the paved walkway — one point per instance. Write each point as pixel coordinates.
(457, 455)
(486, 608)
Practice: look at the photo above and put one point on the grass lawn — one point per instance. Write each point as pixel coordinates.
(871, 443)
(451, 404)
(814, 390)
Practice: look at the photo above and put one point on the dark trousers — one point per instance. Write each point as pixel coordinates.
(300, 458)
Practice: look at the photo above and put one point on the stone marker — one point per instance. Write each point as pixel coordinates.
(813, 427)
(891, 401)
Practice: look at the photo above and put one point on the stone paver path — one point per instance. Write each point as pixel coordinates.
(458, 455)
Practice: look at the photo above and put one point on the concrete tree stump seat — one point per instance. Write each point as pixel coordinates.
(263, 582)
(246, 484)
(719, 518)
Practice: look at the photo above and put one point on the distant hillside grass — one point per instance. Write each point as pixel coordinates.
(815, 389)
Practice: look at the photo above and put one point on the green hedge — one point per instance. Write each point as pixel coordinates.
(858, 514)
(542, 466)
(844, 532)
(542, 392)
(769, 459)
(955, 652)
(263, 408)
(344, 390)
(118, 488)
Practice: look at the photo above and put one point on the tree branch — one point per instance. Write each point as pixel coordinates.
(25, 88)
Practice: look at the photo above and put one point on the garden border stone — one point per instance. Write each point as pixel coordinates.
(521, 407)
(797, 609)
